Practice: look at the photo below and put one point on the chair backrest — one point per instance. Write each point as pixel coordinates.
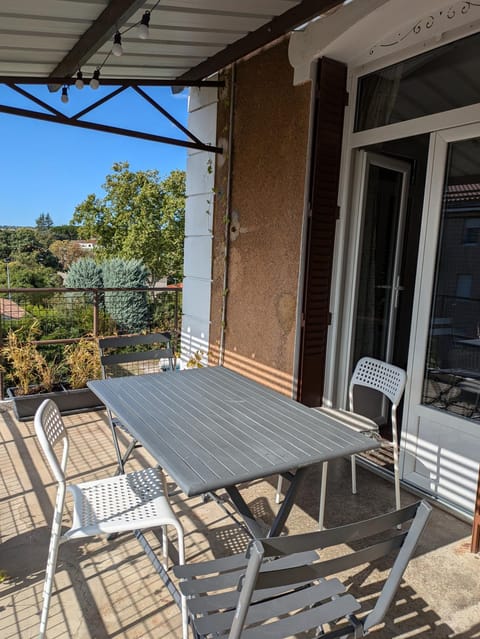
(262, 580)
(135, 354)
(51, 431)
(380, 376)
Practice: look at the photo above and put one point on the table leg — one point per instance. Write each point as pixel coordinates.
(475, 546)
(257, 530)
(287, 503)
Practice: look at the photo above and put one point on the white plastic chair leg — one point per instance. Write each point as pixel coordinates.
(396, 474)
(165, 547)
(323, 493)
(354, 474)
(279, 489)
(181, 561)
(55, 540)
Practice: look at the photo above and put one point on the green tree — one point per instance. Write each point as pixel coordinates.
(6, 235)
(24, 240)
(26, 272)
(44, 222)
(43, 230)
(140, 217)
(128, 308)
(64, 232)
(84, 273)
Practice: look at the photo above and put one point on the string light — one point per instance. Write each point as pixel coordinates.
(95, 81)
(117, 44)
(143, 30)
(79, 83)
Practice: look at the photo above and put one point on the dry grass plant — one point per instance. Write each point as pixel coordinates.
(29, 367)
(83, 360)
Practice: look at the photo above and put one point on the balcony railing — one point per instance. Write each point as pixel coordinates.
(64, 315)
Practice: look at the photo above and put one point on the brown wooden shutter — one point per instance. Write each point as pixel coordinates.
(326, 151)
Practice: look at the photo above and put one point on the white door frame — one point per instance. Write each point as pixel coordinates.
(367, 159)
(461, 470)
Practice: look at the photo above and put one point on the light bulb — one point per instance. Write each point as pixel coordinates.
(79, 83)
(64, 96)
(95, 81)
(143, 30)
(117, 44)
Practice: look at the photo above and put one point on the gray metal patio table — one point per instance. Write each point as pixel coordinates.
(212, 428)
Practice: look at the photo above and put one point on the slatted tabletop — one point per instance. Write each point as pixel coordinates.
(211, 427)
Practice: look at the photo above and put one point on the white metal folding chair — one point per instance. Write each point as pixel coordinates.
(131, 502)
(283, 586)
(386, 379)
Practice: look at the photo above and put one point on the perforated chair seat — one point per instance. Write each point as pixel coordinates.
(132, 502)
(359, 423)
(118, 504)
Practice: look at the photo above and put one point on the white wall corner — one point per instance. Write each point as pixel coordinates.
(202, 121)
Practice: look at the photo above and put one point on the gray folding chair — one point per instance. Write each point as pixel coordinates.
(115, 504)
(133, 355)
(282, 587)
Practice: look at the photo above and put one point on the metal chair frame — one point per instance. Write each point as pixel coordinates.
(283, 587)
(390, 381)
(131, 502)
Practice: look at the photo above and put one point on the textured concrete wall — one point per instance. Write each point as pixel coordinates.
(269, 155)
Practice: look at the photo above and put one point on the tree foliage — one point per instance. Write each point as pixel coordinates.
(84, 273)
(66, 252)
(140, 217)
(128, 308)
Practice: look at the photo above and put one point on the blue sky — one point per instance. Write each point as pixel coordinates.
(50, 168)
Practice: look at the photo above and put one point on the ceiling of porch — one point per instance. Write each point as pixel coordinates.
(188, 39)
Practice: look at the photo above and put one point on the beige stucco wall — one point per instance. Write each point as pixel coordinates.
(270, 133)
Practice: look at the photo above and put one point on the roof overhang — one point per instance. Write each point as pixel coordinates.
(189, 40)
(48, 42)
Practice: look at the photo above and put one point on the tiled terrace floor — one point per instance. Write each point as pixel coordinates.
(108, 589)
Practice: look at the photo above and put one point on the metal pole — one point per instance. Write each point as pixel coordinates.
(7, 260)
(96, 297)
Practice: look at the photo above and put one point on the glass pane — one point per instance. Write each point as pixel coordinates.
(381, 215)
(416, 87)
(452, 372)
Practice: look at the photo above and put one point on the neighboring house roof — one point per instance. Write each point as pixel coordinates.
(10, 310)
(85, 244)
(463, 192)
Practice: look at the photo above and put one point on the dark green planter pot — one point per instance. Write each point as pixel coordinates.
(68, 401)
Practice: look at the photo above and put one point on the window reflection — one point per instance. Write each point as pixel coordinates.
(417, 86)
(452, 379)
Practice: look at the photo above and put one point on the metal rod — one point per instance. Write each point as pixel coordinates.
(164, 112)
(124, 82)
(108, 129)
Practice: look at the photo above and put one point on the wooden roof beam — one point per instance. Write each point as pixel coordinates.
(116, 13)
(279, 26)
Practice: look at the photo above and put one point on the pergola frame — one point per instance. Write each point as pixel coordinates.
(57, 117)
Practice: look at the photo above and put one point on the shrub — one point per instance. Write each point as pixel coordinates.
(129, 309)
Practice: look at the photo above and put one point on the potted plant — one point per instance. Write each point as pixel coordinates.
(37, 379)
